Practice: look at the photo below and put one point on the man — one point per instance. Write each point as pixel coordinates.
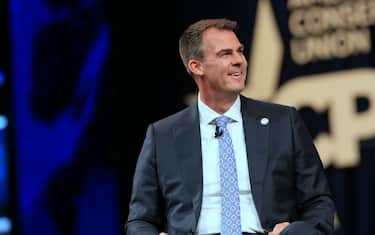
(276, 181)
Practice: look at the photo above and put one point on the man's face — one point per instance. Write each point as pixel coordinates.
(224, 65)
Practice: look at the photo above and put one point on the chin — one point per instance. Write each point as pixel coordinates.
(237, 90)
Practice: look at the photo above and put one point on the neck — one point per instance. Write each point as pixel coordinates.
(219, 104)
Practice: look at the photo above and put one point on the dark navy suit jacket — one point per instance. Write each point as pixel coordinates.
(287, 178)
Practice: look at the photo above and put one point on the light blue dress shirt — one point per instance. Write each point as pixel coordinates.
(209, 219)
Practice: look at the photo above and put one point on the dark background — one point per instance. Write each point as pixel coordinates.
(68, 180)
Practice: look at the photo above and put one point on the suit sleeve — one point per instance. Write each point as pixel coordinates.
(315, 203)
(145, 209)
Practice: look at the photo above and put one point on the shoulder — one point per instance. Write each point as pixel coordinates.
(266, 106)
(187, 114)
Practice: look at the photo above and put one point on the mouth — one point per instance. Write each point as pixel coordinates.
(236, 75)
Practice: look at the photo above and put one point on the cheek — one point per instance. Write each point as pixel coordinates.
(244, 61)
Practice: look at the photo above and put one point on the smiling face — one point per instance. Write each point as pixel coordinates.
(222, 71)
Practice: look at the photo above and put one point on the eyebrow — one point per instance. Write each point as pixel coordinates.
(223, 51)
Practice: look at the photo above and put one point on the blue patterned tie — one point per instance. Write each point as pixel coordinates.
(230, 193)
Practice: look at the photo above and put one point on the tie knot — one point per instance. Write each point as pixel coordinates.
(221, 121)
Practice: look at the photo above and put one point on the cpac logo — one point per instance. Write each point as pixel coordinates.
(332, 92)
(336, 93)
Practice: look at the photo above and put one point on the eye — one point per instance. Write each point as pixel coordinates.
(225, 53)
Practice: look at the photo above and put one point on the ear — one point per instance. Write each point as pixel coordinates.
(195, 67)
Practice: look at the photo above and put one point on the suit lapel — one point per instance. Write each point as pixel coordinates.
(256, 137)
(188, 146)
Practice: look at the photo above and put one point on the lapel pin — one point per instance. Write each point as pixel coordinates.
(264, 121)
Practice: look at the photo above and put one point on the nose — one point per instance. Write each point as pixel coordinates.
(238, 59)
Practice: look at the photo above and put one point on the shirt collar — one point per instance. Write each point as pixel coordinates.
(206, 114)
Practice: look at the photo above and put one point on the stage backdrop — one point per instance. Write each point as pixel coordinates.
(319, 57)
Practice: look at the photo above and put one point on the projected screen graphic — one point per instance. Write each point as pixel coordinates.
(5, 192)
(5, 223)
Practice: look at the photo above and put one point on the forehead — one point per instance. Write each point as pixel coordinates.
(220, 39)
